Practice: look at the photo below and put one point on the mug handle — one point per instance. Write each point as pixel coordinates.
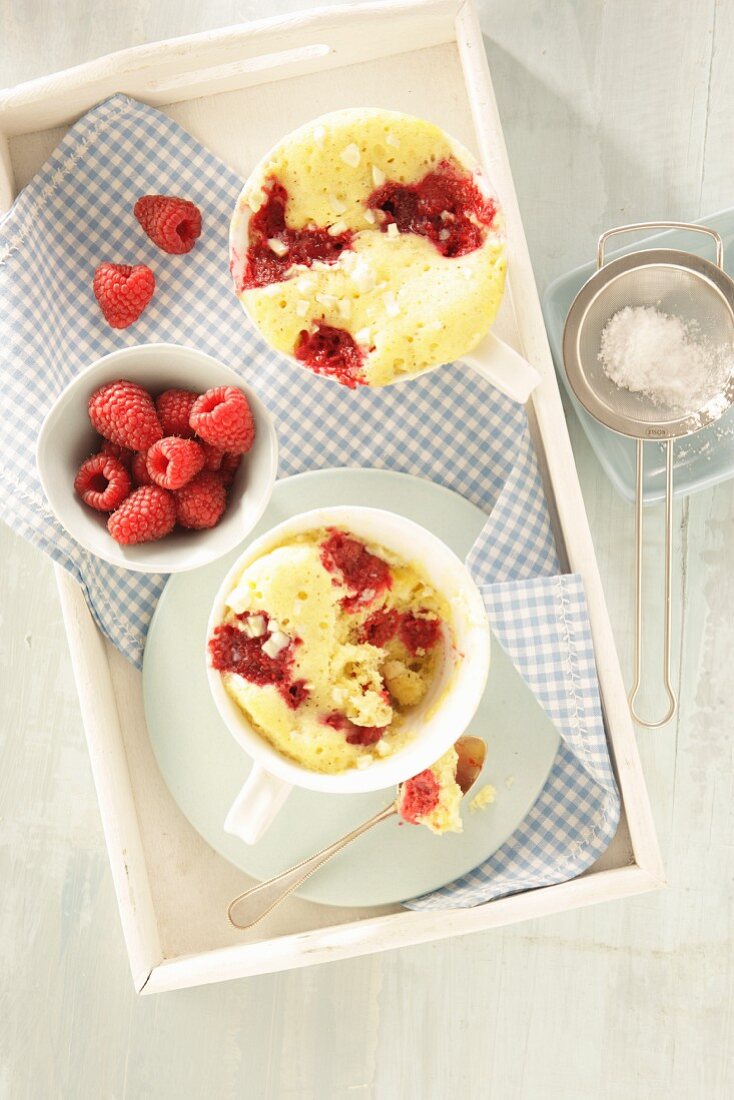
(503, 367)
(257, 804)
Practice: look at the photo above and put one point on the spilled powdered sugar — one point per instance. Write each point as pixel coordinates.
(663, 357)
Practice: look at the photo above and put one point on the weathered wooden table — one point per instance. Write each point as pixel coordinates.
(613, 112)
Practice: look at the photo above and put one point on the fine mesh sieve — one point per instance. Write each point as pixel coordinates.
(677, 283)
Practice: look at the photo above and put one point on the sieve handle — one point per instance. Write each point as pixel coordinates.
(660, 225)
(672, 699)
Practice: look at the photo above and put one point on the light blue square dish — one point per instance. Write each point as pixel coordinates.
(701, 460)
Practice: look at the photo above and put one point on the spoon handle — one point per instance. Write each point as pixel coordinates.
(254, 904)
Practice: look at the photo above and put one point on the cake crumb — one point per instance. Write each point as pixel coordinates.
(509, 781)
(484, 797)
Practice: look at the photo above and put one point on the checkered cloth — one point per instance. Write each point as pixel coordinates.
(449, 426)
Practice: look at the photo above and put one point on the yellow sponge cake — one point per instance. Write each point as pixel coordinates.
(325, 645)
(370, 247)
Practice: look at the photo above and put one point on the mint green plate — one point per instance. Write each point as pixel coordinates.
(205, 768)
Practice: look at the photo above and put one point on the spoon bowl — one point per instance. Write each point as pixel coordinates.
(472, 753)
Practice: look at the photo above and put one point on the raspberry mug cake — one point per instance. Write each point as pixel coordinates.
(326, 643)
(368, 247)
(346, 650)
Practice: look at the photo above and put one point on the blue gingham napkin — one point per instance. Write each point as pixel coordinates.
(449, 426)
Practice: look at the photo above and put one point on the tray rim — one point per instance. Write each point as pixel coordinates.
(448, 21)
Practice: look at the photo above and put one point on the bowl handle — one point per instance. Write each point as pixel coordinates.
(257, 804)
(503, 367)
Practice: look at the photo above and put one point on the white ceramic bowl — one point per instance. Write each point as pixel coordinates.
(67, 438)
(443, 715)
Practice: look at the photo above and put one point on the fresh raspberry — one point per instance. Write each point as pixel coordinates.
(124, 413)
(102, 482)
(212, 456)
(170, 222)
(123, 454)
(229, 467)
(174, 408)
(147, 514)
(123, 292)
(139, 470)
(223, 417)
(172, 462)
(201, 503)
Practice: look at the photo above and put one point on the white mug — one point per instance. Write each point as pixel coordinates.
(438, 720)
(492, 358)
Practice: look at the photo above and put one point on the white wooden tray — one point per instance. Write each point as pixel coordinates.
(238, 90)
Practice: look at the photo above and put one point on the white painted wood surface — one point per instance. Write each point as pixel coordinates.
(612, 112)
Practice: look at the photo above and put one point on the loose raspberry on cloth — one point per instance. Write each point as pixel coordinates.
(123, 291)
(173, 223)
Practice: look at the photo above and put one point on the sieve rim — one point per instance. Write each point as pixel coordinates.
(623, 423)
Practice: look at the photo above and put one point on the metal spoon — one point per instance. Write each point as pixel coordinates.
(269, 894)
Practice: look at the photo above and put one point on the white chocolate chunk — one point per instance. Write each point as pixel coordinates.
(351, 155)
(369, 216)
(301, 307)
(378, 176)
(392, 230)
(363, 276)
(391, 305)
(275, 644)
(280, 248)
(258, 625)
(305, 284)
